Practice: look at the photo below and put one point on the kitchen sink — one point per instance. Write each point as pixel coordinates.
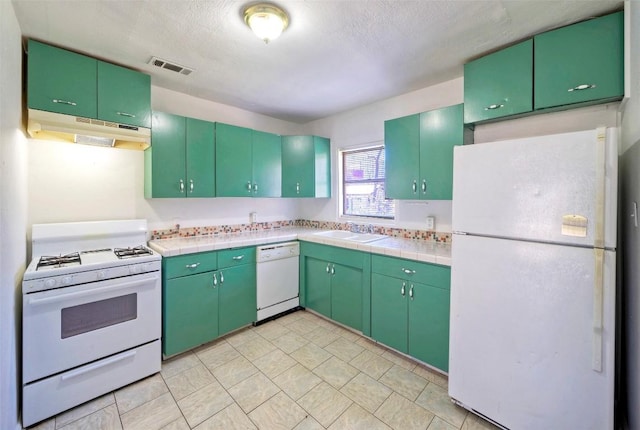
(350, 236)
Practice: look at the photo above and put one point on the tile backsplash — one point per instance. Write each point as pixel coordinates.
(177, 231)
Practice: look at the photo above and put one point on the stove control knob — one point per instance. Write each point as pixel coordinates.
(102, 274)
(50, 283)
(136, 268)
(66, 280)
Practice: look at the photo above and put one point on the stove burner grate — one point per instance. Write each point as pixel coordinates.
(58, 260)
(137, 251)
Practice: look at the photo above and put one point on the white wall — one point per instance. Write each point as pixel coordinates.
(365, 125)
(78, 182)
(630, 234)
(13, 207)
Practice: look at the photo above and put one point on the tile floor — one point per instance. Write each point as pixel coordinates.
(298, 372)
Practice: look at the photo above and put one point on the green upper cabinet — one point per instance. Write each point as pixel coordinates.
(499, 84)
(233, 161)
(65, 82)
(579, 63)
(181, 159)
(248, 162)
(266, 164)
(306, 166)
(419, 153)
(124, 95)
(61, 81)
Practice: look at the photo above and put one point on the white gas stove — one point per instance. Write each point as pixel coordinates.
(92, 307)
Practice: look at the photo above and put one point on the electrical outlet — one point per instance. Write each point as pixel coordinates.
(431, 223)
(252, 217)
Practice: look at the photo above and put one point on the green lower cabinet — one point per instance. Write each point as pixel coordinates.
(429, 325)
(346, 295)
(318, 286)
(189, 312)
(237, 292)
(389, 323)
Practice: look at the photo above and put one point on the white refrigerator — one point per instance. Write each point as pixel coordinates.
(532, 336)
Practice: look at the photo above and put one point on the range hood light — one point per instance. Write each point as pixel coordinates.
(94, 140)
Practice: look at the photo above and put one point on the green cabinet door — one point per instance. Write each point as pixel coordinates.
(200, 158)
(189, 310)
(389, 321)
(346, 295)
(267, 164)
(61, 81)
(233, 161)
(237, 289)
(124, 95)
(402, 157)
(499, 84)
(298, 166)
(579, 63)
(429, 325)
(165, 159)
(440, 131)
(322, 147)
(318, 285)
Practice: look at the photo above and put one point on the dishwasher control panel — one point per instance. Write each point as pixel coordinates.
(277, 251)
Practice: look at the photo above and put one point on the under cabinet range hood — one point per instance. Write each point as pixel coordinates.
(75, 129)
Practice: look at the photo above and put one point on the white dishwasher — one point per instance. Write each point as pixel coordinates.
(277, 278)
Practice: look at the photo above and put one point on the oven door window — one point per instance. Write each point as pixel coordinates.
(96, 315)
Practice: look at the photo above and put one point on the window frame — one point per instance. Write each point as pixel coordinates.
(343, 183)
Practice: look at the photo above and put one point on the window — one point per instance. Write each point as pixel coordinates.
(363, 184)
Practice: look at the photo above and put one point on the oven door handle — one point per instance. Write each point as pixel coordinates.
(91, 292)
(96, 366)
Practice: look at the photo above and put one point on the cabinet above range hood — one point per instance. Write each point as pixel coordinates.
(75, 129)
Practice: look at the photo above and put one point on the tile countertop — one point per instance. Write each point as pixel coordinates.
(418, 250)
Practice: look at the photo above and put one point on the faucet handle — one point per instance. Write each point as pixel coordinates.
(370, 228)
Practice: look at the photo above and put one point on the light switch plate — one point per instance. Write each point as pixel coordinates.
(431, 223)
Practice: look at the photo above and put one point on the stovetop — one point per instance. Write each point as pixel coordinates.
(89, 257)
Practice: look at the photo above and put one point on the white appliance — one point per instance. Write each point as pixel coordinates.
(91, 314)
(277, 278)
(533, 281)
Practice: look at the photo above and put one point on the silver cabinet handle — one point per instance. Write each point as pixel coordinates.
(190, 185)
(408, 271)
(255, 187)
(402, 289)
(192, 266)
(181, 186)
(221, 278)
(424, 186)
(328, 268)
(215, 280)
(64, 102)
(411, 292)
(582, 87)
(297, 187)
(494, 107)
(128, 115)
(237, 257)
(249, 188)
(414, 186)
(333, 269)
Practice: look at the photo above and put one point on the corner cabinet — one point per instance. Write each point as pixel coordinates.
(335, 283)
(181, 159)
(248, 162)
(419, 153)
(306, 166)
(65, 82)
(206, 295)
(410, 308)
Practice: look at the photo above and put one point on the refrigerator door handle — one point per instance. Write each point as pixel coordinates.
(600, 185)
(598, 299)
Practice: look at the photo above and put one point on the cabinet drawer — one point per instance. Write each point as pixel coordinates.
(189, 264)
(235, 257)
(429, 274)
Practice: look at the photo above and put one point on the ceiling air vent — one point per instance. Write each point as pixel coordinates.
(164, 64)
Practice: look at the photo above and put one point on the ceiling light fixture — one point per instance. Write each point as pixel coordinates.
(266, 20)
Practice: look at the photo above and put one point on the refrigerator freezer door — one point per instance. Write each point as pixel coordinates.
(546, 189)
(524, 332)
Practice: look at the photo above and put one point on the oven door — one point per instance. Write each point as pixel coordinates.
(67, 327)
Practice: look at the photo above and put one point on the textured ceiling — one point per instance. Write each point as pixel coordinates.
(335, 55)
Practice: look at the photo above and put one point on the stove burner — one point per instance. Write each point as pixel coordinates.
(137, 251)
(58, 260)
